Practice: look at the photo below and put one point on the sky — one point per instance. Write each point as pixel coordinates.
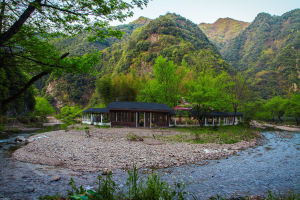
(208, 11)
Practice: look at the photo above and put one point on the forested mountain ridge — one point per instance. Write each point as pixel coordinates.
(171, 36)
(223, 30)
(72, 89)
(268, 52)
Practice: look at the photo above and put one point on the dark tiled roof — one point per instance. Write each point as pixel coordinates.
(96, 110)
(142, 106)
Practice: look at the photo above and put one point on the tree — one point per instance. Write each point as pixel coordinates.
(43, 107)
(293, 108)
(163, 88)
(26, 27)
(276, 106)
(200, 111)
(104, 89)
(207, 90)
(237, 91)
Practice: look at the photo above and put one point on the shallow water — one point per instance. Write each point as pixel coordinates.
(274, 165)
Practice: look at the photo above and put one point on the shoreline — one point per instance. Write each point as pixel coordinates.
(108, 149)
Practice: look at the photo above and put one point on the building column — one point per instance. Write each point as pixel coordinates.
(213, 120)
(144, 119)
(175, 121)
(101, 118)
(219, 121)
(205, 121)
(169, 119)
(150, 119)
(116, 116)
(91, 118)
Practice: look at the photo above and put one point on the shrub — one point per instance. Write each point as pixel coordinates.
(133, 137)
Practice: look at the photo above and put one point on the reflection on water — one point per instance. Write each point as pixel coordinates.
(274, 165)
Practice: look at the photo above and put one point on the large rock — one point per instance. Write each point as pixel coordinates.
(55, 178)
(20, 139)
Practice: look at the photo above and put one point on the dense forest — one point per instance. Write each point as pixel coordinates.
(226, 66)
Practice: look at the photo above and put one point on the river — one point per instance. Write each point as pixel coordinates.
(273, 165)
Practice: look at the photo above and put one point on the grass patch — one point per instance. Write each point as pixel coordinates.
(102, 126)
(220, 135)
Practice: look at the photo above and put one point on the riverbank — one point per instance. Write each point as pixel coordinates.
(264, 125)
(109, 148)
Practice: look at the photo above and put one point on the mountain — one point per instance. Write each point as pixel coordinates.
(80, 44)
(71, 89)
(171, 36)
(223, 30)
(268, 53)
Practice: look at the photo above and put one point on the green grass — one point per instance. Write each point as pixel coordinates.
(220, 135)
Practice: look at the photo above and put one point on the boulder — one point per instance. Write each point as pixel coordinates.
(20, 139)
(55, 178)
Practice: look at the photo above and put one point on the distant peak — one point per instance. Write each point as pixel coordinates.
(141, 20)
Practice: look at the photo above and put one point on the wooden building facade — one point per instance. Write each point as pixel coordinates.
(130, 114)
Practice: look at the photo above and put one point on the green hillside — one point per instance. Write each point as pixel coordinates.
(171, 36)
(74, 89)
(268, 53)
(223, 30)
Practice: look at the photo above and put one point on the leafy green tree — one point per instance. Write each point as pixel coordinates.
(119, 87)
(163, 88)
(43, 107)
(69, 113)
(276, 106)
(237, 91)
(293, 107)
(104, 88)
(26, 27)
(207, 90)
(199, 112)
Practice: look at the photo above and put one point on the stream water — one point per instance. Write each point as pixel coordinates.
(274, 165)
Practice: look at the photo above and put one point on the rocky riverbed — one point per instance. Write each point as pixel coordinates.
(108, 149)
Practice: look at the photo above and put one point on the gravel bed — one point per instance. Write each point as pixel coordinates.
(108, 148)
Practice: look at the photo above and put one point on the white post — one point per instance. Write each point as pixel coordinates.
(175, 121)
(224, 120)
(144, 119)
(219, 121)
(101, 118)
(91, 118)
(150, 118)
(136, 119)
(213, 120)
(169, 120)
(205, 121)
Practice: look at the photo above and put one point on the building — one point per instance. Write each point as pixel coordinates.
(150, 115)
(130, 114)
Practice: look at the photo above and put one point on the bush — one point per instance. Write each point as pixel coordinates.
(43, 107)
(133, 137)
(68, 114)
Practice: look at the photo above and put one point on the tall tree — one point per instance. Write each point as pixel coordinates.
(293, 108)
(237, 91)
(26, 26)
(163, 88)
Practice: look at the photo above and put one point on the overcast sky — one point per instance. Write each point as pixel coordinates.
(209, 11)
